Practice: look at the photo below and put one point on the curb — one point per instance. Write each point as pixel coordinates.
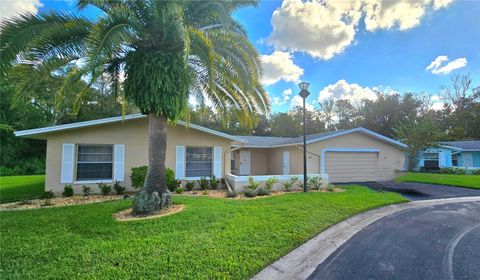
(301, 262)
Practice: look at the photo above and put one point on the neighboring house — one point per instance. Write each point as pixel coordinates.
(463, 154)
(105, 150)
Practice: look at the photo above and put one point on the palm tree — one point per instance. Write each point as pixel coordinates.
(166, 50)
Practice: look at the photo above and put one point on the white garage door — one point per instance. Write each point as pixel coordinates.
(343, 167)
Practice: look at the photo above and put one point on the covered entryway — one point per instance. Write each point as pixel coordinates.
(350, 165)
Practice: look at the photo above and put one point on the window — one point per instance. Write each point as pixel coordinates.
(454, 159)
(95, 162)
(199, 162)
(431, 160)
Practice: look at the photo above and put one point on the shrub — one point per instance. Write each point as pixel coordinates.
(86, 190)
(250, 193)
(330, 187)
(34, 166)
(203, 183)
(205, 192)
(67, 191)
(118, 188)
(104, 188)
(172, 183)
(190, 185)
(314, 183)
(231, 193)
(46, 202)
(296, 181)
(288, 185)
(138, 176)
(270, 183)
(179, 190)
(252, 185)
(263, 191)
(213, 182)
(476, 172)
(47, 195)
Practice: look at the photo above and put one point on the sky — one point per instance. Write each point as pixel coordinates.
(349, 49)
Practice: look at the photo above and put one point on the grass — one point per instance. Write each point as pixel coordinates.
(211, 239)
(466, 181)
(14, 188)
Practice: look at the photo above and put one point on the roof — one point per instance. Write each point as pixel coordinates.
(268, 141)
(462, 145)
(35, 133)
(249, 141)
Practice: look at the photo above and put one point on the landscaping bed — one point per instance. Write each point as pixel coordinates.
(210, 239)
(466, 181)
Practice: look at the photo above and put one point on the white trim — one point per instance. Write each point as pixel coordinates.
(459, 149)
(68, 163)
(344, 150)
(93, 181)
(286, 163)
(119, 162)
(236, 178)
(180, 156)
(49, 129)
(217, 161)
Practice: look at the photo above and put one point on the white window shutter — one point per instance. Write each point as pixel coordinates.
(68, 155)
(119, 163)
(180, 162)
(217, 162)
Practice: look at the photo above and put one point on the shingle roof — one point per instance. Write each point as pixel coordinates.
(464, 145)
(266, 141)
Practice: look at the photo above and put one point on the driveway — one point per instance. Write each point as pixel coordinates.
(434, 242)
(421, 191)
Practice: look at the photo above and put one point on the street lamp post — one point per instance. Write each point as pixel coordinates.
(304, 93)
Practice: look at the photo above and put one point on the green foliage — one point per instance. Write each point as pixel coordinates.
(250, 193)
(314, 183)
(418, 134)
(14, 188)
(179, 190)
(190, 185)
(119, 189)
(47, 195)
(252, 184)
(67, 191)
(205, 192)
(458, 171)
(86, 190)
(104, 188)
(203, 183)
(213, 182)
(261, 191)
(172, 183)
(288, 185)
(270, 183)
(330, 187)
(138, 176)
(231, 194)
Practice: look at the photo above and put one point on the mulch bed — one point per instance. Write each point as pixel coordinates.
(126, 215)
(58, 202)
(223, 193)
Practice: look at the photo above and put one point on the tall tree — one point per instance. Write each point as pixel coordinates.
(167, 49)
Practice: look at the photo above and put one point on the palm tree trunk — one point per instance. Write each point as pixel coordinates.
(154, 196)
(157, 147)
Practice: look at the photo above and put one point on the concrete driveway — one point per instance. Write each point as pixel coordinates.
(420, 191)
(435, 242)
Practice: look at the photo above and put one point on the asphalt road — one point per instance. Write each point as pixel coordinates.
(431, 243)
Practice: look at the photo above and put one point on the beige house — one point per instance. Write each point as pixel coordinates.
(105, 150)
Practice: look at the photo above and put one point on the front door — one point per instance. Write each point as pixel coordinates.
(467, 159)
(244, 163)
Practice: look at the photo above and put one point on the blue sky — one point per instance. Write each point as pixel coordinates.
(349, 49)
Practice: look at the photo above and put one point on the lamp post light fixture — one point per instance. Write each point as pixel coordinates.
(304, 93)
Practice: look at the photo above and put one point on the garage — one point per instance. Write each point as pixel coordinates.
(354, 166)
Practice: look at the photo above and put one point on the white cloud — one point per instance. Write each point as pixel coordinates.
(285, 97)
(279, 66)
(440, 66)
(343, 90)
(436, 102)
(297, 101)
(325, 28)
(10, 8)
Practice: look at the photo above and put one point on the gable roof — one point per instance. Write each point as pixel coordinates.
(461, 145)
(34, 133)
(268, 141)
(249, 141)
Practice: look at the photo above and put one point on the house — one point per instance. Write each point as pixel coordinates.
(105, 150)
(463, 154)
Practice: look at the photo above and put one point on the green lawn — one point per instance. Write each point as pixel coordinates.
(210, 239)
(466, 181)
(21, 187)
